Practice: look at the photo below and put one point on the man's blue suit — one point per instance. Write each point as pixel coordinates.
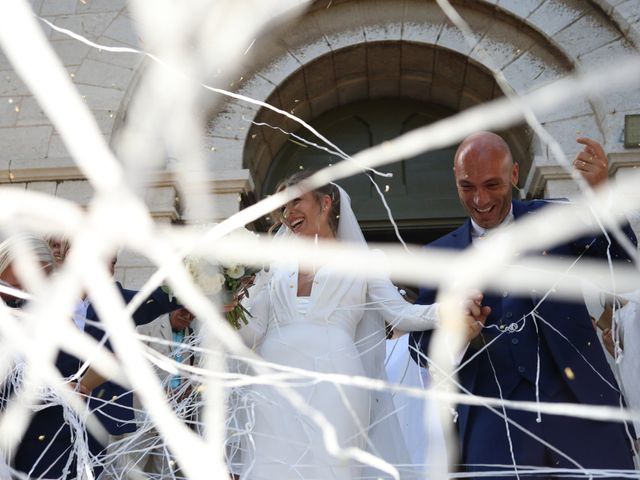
(112, 404)
(45, 447)
(572, 369)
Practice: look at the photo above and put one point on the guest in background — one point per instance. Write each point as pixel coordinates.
(46, 448)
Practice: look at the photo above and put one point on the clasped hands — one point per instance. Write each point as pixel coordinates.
(475, 314)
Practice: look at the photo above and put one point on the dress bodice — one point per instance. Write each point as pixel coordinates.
(335, 300)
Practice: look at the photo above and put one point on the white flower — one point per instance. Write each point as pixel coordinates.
(205, 275)
(210, 284)
(235, 271)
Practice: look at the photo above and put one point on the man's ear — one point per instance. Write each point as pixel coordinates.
(515, 174)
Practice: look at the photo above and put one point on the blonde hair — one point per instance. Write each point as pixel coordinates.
(329, 189)
(38, 246)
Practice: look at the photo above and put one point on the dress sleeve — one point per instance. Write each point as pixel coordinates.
(257, 304)
(384, 297)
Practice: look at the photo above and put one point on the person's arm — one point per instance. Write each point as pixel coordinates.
(592, 163)
(257, 304)
(384, 297)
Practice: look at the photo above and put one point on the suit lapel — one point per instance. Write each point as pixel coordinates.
(461, 237)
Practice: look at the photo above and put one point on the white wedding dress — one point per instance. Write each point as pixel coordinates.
(338, 329)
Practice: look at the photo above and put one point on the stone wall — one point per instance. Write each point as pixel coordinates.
(317, 62)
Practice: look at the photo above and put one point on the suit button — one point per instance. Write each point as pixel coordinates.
(515, 341)
(41, 438)
(508, 315)
(521, 369)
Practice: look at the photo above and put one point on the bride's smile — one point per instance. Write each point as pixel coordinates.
(308, 215)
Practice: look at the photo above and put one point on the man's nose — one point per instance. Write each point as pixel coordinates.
(480, 197)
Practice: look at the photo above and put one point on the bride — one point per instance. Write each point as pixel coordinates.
(323, 322)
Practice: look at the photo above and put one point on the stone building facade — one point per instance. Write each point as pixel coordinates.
(341, 66)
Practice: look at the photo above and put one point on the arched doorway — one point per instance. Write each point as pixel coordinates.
(421, 193)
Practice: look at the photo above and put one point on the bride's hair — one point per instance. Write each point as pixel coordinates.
(329, 189)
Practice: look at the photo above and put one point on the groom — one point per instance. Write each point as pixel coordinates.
(572, 366)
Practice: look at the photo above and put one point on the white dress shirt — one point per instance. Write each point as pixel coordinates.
(80, 313)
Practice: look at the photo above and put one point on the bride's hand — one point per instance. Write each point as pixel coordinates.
(230, 306)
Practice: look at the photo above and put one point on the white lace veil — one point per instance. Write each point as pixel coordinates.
(385, 438)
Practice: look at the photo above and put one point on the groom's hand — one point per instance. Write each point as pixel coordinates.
(475, 315)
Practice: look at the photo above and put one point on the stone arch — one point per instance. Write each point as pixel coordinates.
(531, 43)
(371, 71)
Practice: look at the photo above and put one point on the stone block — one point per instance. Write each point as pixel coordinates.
(24, 143)
(95, 6)
(9, 108)
(90, 25)
(36, 5)
(123, 30)
(4, 63)
(566, 111)
(417, 58)
(382, 20)
(427, 29)
(585, 35)
(80, 192)
(31, 113)
(44, 169)
(607, 54)
(383, 59)
(566, 131)
(337, 24)
(324, 103)
(627, 100)
(101, 98)
(224, 153)
(354, 90)
(629, 10)
(417, 88)
(101, 74)
(106, 120)
(561, 188)
(533, 69)
(135, 277)
(129, 259)
(384, 86)
(479, 81)
(443, 93)
(450, 67)
(122, 59)
(554, 15)
(57, 148)
(280, 69)
(519, 8)
(58, 7)
(11, 85)
(500, 46)
(70, 52)
(307, 52)
(294, 90)
(319, 76)
(161, 202)
(43, 187)
(469, 99)
(350, 63)
(382, 32)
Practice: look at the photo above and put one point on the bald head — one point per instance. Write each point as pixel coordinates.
(483, 147)
(485, 173)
